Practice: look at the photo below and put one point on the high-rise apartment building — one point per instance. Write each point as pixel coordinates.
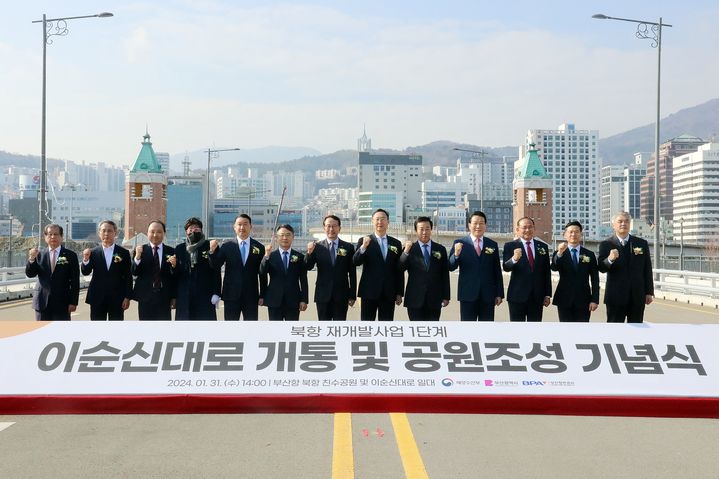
(571, 159)
(392, 173)
(696, 195)
(668, 150)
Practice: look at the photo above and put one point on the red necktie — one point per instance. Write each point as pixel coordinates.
(530, 255)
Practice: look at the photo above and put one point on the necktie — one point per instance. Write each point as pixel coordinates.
(384, 247)
(243, 252)
(575, 259)
(156, 283)
(53, 261)
(425, 252)
(477, 247)
(286, 260)
(530, 255)
(333, 253)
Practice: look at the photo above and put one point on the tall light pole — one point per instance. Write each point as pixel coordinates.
(650, 31)
(210, 153)
(50, 27)
(478, 154)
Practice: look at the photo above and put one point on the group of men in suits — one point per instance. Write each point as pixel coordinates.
(188, 278)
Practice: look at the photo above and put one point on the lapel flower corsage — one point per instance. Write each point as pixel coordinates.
(541, 251)
(437, 255)
(255, 250)
(60, 261)
(393, 249)
(584, 258)
(489, 250)
(638, 251)
(206, 254)
(167, 257)
(294, 258)
(341, 252)
(116, 258)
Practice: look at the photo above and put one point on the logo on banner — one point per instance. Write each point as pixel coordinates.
(488, 382)
(447, 382)
(534, 383)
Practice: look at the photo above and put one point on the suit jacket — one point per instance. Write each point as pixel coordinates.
(113, 285)
(526, 284)
(428, 285)
(381, 280)
(630, 276)
(574, 287)
(200, 282)
(61, 285)
(335, 282)
(241, 281)
(286, 288)
(144, 274)
(480, 277)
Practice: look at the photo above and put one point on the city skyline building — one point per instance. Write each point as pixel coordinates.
(696, 196)
(668, 150)
(533, 189)
(146, 192)
(571, 159)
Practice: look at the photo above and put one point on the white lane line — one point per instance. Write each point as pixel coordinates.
(5, 425)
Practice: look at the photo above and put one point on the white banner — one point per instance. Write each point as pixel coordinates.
(447, 358)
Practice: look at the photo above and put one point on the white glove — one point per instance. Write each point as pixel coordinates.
(214, 300)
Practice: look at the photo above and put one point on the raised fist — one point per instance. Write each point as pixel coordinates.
(310, 247)
(407, 246)
(517, 254)
(613, 255)
(138, 252)
(561, 248)
(457, 249)
(213, 245)
(365, 242)
(268, 250)
(32, 254)
(86, 254)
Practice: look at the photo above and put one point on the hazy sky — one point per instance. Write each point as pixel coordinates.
(250, 74)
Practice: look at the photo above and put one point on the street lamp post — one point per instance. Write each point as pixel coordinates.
(651, 31)
(681, 244)
(60, 30)
(478, 154)
(210, 153)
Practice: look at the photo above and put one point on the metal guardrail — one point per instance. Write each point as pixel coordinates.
(685, 282)
(688, 282)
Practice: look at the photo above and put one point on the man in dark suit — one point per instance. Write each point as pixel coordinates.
(336, 285)
(382, 283)
(58, 278)
(241, 257)
(286, 293)
(480, 287)
(198, 284)
(530, 282)
(154, 270)
(628, 263)
(110, 288)
(574, 297)
(427, 274)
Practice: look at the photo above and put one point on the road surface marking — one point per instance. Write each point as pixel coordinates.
(342, 455)
(408, 451)
(5, 425)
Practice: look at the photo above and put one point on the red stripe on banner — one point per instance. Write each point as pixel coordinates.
(682, 407)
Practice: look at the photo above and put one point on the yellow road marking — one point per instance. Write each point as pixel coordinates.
(696, 309)
(342, 455)
(408, 451)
